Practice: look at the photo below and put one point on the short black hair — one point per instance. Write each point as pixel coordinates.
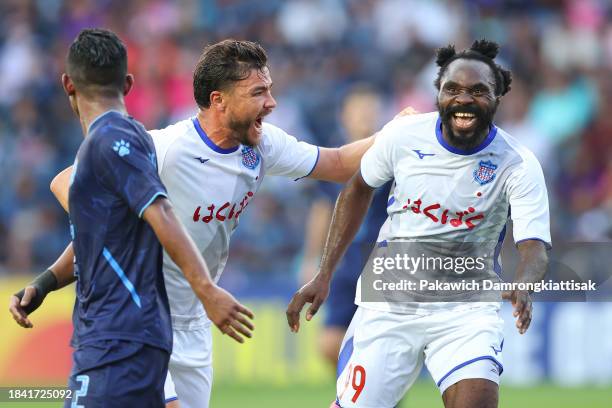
(97, 59)
(224, 63)
(481, 50)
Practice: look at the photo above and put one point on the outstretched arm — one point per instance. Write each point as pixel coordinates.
(222, 308)
(531, 268)
(339, 164)
(351, 208)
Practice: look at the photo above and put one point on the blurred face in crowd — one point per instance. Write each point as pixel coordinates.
(247, 102)
(467, 102)
(361, 114)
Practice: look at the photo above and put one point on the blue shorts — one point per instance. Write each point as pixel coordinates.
(117, 373)
(341, 301)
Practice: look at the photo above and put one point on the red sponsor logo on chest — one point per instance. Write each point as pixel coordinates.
(437, 214)
(221, 212)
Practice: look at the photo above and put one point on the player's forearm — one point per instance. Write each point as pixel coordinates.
(60, 186)
(339, 164)
(178, 244)
(350, 156)
(63, 267)
(533, 262)
(351, 208)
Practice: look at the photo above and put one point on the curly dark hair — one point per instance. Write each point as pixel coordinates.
(97, 59)
(481, 50)
(224, 63)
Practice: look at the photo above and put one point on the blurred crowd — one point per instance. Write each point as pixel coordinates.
(560, 53)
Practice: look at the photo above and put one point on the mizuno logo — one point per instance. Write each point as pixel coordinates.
(201, 160)
(421, 155)
(501, 347)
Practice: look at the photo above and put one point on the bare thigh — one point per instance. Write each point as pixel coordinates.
(471, 393)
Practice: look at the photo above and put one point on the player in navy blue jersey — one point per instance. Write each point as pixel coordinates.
(360, 116)
(119, 216)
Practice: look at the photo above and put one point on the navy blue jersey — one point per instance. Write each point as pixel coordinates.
(340, 304)
(120, 288)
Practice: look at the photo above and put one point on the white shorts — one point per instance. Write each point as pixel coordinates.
(382, 353)
(190, 371)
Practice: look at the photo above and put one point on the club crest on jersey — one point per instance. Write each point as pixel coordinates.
(250, 158)
(485, 173)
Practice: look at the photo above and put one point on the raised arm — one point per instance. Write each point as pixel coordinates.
(222, 308)
(350, 210)
(531, 268)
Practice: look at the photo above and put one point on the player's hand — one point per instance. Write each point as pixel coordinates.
(228, 314)
(314, 292)
(407, 111)
(18, 307)
(521, 301)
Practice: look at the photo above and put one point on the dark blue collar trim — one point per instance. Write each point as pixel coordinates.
(99, 117)
(455, 150)
(209, 142)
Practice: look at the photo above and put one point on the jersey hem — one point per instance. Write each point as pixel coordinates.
(119, 336)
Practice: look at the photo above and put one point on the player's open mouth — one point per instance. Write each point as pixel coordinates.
(464, 120)
(258, 123)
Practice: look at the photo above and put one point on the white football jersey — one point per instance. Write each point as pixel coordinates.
(210, 188)
(444, 194)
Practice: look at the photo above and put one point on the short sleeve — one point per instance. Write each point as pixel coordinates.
(127, 165)
(377, 162)
(284, 155)
(528, 199)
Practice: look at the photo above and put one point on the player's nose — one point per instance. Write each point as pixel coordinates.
(464, 98)
(270, 103)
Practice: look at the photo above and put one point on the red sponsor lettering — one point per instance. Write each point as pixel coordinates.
(221, 214)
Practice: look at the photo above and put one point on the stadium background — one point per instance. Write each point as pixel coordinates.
(559, 51)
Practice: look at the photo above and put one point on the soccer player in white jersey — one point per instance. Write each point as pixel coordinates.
(212, 165)
(457, 176)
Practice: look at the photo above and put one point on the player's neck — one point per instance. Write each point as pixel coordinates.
(222, 136)
(90, 109)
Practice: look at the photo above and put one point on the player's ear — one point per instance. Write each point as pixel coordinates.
(129, 83)
(68, 85)
(217, 101)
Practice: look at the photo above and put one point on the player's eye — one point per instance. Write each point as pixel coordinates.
(479, 91)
